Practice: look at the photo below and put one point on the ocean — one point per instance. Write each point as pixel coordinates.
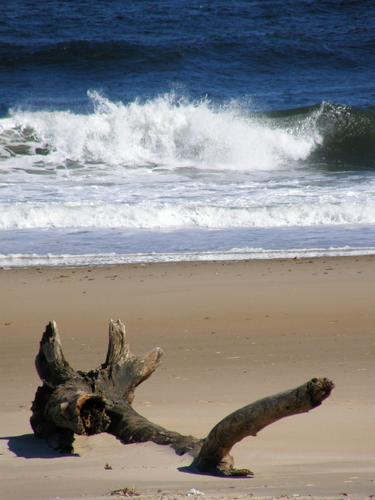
(147, 131)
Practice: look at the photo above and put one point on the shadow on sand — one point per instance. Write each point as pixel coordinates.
(28, 446)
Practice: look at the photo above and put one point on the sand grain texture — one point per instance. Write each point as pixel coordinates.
(232, 333)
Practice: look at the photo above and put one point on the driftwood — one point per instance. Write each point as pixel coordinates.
(74, 402)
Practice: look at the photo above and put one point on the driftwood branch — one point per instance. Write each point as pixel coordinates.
(122, 371)
(249, 420)
(131, 427)
(74, 402)
(50, 361)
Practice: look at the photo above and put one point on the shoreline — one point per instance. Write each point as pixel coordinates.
(198, 260)
(232, 332)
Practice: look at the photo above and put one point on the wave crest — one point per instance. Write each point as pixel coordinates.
(165, 216)
(166, 131)
(172, 132)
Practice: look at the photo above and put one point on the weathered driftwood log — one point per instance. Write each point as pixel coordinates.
(74, 402)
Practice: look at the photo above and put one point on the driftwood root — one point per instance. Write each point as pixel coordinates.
(74, 402)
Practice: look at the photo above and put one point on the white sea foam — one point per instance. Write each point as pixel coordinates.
(164, 131)
(34, 260)
(166, 164)
(154, 215)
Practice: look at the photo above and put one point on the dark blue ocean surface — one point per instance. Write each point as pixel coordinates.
(278, 53)
(174, 129)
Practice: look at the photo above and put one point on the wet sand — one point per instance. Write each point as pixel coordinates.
(231, 332)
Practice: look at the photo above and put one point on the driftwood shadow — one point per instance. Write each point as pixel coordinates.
(190, 469)
(28, 446)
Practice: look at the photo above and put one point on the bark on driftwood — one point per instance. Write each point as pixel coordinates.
(74, 402)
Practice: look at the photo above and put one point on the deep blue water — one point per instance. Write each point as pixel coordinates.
(186, 128)
(280, 54)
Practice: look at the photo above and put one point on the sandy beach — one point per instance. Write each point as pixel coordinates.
(232, 332)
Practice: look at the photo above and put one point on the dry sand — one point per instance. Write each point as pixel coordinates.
(231, 332)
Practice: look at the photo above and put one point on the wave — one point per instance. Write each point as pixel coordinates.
(144, 53)
(174, 132)
(165, 216)
(106, 259)
(347, 134)
(166, 131)
(84, 52)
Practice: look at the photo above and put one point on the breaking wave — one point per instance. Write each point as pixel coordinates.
(150, 215)
(166, 132)
(347, 134)
(172, 132)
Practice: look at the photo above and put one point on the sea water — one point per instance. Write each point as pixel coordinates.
(158, 131)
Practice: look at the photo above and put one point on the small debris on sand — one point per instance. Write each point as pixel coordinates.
(125, 492)
(194, 492)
